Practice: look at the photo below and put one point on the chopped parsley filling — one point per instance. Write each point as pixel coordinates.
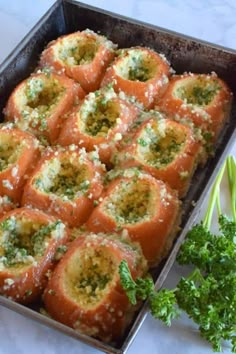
(88, 281)
(199, 92)
(101, 118)
(41, 96)
(137, 65)
(131, 202)
(159, 149)
(77, 51)
(63, 179)
(22, 240)
(9, 151)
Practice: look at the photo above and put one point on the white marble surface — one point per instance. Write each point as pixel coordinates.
(211, 20)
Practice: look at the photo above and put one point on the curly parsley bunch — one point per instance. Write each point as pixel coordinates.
(208, 294)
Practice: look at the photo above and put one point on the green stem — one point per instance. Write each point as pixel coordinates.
(229, 174)
(231, 171)
(214, 196)
(196, 276)
(234, 188)
(218, 205)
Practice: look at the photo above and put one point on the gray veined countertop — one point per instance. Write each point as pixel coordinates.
(211, 20)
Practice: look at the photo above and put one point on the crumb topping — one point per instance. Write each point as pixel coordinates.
(10, 150)
(64, 178)
(136, 65)
(89, 274)
(99, 113)
(38, 98)
(160, 143)
(197, 91)
(131, 202)
(77, 50)
(23, 241)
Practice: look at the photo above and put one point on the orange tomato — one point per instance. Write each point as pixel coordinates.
(29, 240)
(84, 291)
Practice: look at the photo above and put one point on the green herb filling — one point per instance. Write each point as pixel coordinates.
(21, 240)
(158, 149)
(63, 179)
(88, 281)
(131, 202)
(101, 118)
(137, 65)
(10, 150)
(199, 92)
(41, 97)
(77, 51)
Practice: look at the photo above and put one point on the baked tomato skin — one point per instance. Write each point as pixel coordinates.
(93, 301)
(88, 55)
(29, 240)
(203, 99)
(19, 154)
(100, 121)
(66, 182)
(139, 72)
(147, 208)
(38, 104)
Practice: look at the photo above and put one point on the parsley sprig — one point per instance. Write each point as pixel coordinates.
(208, 294)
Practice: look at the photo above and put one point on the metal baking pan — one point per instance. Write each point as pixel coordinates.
(185, 54)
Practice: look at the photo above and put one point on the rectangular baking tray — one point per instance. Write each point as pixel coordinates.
(185, 54)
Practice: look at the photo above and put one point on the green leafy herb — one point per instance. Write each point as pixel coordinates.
(208, 294)
(141, 288)
(162, 305)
